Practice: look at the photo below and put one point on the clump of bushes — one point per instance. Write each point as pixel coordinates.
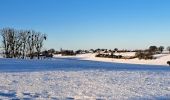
(168, 62)
(109, 56)
(68, 53)
(47, 54)
(144, 55)
(102, 55)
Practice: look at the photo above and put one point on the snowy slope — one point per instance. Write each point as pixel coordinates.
(62, 79)
(161, 59)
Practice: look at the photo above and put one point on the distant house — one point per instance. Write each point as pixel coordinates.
(91, 51)
(80, 52)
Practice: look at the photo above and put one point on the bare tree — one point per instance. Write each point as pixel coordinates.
(39, 38)
(21, 43)
(31, 43)
(153, 49)
(8, 41)
(24, 37)
(161, 48)
(168, 48)
(18, 44)
(5, 44)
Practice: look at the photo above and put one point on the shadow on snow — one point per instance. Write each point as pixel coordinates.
(17, 65)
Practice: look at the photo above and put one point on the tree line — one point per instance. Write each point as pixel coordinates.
(158, 49)
(148, 53)
(22, 43)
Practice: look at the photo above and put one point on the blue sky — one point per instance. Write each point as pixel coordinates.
(85, 24)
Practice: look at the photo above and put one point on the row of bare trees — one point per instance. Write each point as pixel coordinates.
(22, 43)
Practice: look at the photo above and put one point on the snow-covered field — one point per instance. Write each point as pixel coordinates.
(67, 79)
(161, 58)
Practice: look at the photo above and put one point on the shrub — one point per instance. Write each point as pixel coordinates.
(168, 62)
(68, 53)
(168, 48)
(144, 55)
(161, 49)
(109, 56)
(153, 49)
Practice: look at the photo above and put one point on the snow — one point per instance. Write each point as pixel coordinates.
(68, 79)
(126, 54)
(161, 59)
(87, 85)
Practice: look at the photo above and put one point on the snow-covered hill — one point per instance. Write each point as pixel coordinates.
(161, 58)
